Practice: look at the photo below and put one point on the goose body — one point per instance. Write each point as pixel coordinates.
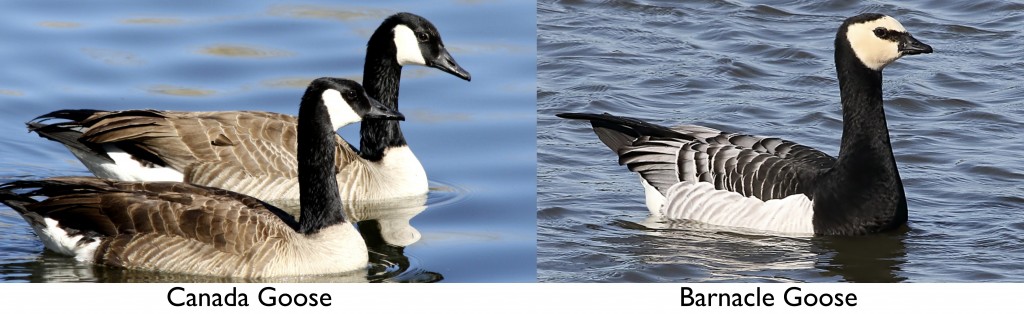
(253, 153)
(186, 228)
(769, 184)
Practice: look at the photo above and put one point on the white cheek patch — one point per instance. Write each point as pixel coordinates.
(408, 47)
(339, 109)
(874, 52)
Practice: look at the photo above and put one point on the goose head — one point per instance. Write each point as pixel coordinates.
(348, 103)
(415, 41)
(877, 40)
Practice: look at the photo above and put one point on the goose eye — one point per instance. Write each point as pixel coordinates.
(423, 37)
(350, 95)
(880, 32)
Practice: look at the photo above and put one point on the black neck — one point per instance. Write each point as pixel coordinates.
(862, 192)
(865, 133)
(381, 76)
(319, 199)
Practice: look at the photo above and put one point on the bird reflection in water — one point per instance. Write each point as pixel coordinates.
(385, 227)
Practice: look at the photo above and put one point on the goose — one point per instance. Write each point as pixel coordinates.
(770, 184)
(190, 229)
(252, 152)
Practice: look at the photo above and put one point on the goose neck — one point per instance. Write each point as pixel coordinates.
(865, 133)
(381, 77)
(320, 203)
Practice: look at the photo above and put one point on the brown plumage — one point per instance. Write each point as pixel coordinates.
(174, 227)
(249, 152)
(185, 228)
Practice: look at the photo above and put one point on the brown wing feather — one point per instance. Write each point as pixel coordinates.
(248, 152)
(123, 212)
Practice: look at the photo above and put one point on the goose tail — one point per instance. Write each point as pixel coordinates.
(618, 132)
(69, 133)
(14, 200)
(57, 237)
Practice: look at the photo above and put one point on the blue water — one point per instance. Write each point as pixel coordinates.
(766, 69)
(475, 139)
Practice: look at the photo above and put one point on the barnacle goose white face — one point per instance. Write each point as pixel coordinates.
(881, 41)
(408, 47)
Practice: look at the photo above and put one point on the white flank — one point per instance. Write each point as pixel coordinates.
(702, 202)
(874, 52)
(58, 240)
(126, 168)
(408, 47)
(340, 111)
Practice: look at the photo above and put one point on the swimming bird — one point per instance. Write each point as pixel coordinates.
(254, 153)
(186, 228)
(764, 183)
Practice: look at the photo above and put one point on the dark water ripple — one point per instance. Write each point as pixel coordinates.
(954, 118)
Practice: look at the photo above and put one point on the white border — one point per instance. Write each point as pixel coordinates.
(513, 298)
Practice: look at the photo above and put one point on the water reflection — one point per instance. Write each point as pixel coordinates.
(871, 258)
(657, 250)
(770, 257)
(53, 267)
(341, 14)
(180, 91)
(737, 256)
(152, 21)
(386, 230)
(59, 24)
(238, 51)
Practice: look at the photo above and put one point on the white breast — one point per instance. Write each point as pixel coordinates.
(398, 174)
(335, 249)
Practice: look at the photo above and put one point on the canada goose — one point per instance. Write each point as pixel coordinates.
(703, 174)
(185, 228)
(253, 153)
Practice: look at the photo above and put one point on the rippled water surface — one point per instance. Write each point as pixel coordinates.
(954, 117)
(476, 139)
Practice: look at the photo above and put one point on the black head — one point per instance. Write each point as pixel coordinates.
(877, 40)
(415, 41)
(347, 102)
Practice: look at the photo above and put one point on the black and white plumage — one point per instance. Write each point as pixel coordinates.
(254, 153)
(185, 228)
(703, 174)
